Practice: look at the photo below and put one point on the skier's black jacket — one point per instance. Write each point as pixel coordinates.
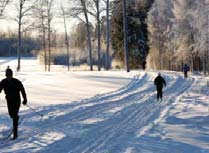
(12, 88)
(159, 82)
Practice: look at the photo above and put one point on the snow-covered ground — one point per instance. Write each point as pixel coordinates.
(107, 112)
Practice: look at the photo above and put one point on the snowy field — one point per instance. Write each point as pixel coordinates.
(107, 112)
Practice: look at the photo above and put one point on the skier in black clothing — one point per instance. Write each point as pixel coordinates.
(185, 70)
(12, 88)
(159, 82)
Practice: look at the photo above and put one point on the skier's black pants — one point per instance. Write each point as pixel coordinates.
(185, 74)
(13, 109)
(159, 93)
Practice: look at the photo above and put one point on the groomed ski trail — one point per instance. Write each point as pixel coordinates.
(105, 123)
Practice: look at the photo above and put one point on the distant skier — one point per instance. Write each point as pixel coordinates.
(159, 82)
(12, 88)
(185, 70)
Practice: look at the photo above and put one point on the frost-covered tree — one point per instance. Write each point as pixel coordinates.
(178, 34)
(201, 35)
(159, 25)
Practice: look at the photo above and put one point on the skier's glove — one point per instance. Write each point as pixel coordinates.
(24, 102)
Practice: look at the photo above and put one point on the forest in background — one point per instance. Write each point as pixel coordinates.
(178, 34)
(164, 33)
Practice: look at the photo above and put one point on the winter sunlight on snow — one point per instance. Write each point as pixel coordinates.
(107, 112)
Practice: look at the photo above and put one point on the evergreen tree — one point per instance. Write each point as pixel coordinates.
(137, 31)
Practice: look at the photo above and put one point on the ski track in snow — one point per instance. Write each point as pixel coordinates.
(124, 121)
(141, 109)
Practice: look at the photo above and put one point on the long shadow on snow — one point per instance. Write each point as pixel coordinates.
(141, 114)
(130, 87)
(108, 79)
(153, 144)
(102, 128)
(117, 122)
(82, 108)
(125, 130)
(198, 120)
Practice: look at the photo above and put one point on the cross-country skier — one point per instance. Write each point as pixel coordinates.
(185, 70)
(159, 83)
(12, 88)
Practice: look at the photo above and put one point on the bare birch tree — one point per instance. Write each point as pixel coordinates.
(66, 36)
(107, 34)
(97, 2)
(97, 7)
(41, 17)
(44, 13)
(3, 4)
(96, 13)
(23, 8)
(80, 10)
(49, 4)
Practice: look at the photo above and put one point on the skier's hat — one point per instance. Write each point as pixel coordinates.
(9, 72)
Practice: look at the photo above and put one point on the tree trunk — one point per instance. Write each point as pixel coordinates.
(98, 36)
(19, 44)
(125, 28)
(88, 33)
(19, 36)
(66, 41)
(89, 45)
(107, 37)
(44, 44)
(49, 46)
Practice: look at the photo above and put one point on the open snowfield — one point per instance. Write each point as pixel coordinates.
(107, 112)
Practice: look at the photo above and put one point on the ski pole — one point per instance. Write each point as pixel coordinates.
(34, 110)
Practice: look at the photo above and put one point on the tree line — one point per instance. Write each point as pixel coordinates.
(165, 34)
(178, 33)
(101, 19)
